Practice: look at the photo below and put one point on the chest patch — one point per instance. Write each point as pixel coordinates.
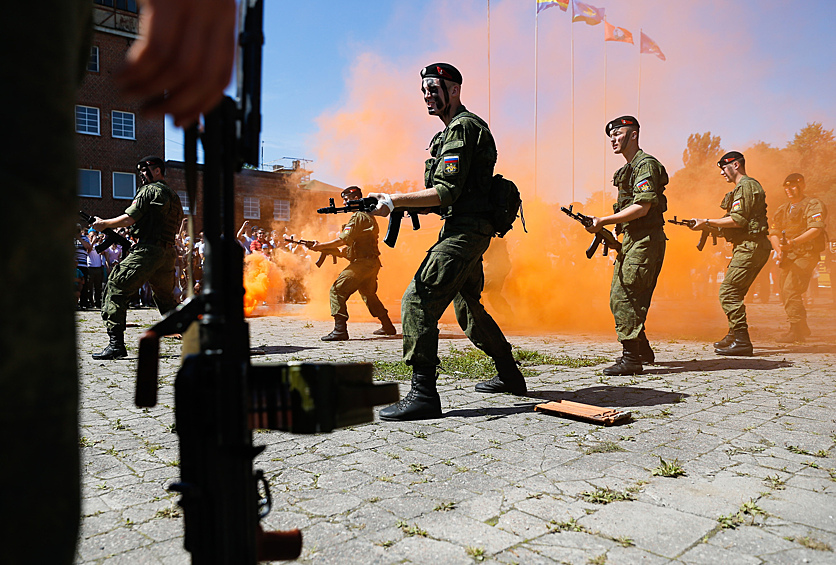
(737, 206)
(644, 186)
(451, 164)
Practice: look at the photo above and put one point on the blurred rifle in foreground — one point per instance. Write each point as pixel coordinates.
(220, 396)
(334, 253)
(706, 231)
(111, 237)
(367, 205)
(604, 236)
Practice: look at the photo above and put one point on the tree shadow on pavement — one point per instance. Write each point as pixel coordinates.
(277, 349)
(716, 364)
(492, 412)
(609, 396)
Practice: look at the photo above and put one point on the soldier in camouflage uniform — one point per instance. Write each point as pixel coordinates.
(359, 237)
(154, 218)
(745, 226)
(798, 237)
(457, 178)
(638, 214)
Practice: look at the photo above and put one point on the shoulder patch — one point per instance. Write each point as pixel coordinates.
(451, 164)
(644, 186)
(737, 205)
(817, 216)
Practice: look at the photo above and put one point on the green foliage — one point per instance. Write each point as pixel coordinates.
(606, 495)
(668, 469)
(702, 149)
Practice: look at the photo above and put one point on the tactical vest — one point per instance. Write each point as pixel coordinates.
(364, 245)
(624, 180)
(473, 200)
(160, 222)
(795, 223)
(756, 227)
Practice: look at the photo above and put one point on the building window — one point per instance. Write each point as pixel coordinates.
(89, 183)
(184, 200)
(281, 210)
(87, 120)
(127, 5)
(93, 63)
(252, 208)
(123, 125)
(124, 186)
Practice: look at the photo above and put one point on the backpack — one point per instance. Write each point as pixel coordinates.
(506, 203)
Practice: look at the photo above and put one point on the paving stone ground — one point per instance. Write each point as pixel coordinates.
(493, 481)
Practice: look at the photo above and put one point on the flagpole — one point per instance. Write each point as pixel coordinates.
(572, 56)
(639, 102)
(489, 61)
(536, 28)
(603, 212)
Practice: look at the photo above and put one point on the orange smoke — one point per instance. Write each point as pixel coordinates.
(264, 282)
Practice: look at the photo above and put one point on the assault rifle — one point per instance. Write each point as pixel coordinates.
(334, 253)
(706, 231)
(783, 241)
(367, 205)
(111, 236)
(220, 396)
(604, 236)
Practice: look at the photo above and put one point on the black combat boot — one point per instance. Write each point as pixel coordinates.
(387, 327)
(420, 403)
(646, 354)
(741, 346)
(340, 331)
(805, 329)
(509, 378)
(115, 348)
(726, 341)
(630, 362)
(795, 335)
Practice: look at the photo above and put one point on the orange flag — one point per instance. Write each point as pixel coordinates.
(612, 33)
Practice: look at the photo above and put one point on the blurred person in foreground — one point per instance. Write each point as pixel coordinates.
(798, 238)
(183, 74)
(639, 215)
(744, 225)
(359, 238)
(154, 218)
(457, 177)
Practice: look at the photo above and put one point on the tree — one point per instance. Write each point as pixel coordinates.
(701, 149)
(810, 140)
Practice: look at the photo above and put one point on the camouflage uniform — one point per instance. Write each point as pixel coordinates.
(746, 205)
(799, 263)
(460, 169)
(157, 212)
(361, 235)
(637, 268)
(38, 366)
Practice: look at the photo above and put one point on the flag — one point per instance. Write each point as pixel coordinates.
(649, 46)
(582, 12)
(612, 33)
(543, 4)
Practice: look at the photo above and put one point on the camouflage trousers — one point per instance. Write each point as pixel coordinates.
(451, 272)
(794, 279)
(145, 263)
(38, 367)
(360, 276)
(748, 258)
(634, 279)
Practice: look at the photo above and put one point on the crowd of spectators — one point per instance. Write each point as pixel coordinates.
(93, 268)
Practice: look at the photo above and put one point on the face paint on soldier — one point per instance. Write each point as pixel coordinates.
(793, 191)
(621, 137)
(435, 96)
(728, 171)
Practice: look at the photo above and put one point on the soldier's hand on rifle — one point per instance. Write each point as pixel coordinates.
(596, 225)
(697, 224)
(384, 204)
(97, 224)
(182, 61)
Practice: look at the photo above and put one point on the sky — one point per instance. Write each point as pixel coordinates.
(341, 85)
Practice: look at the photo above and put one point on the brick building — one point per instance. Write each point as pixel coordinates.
(112, 135)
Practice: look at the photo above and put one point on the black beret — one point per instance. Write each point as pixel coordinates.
(620, 122)
(729, 157)
(151, 161)
(350, 189)
(442, 70)
(794, 179)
